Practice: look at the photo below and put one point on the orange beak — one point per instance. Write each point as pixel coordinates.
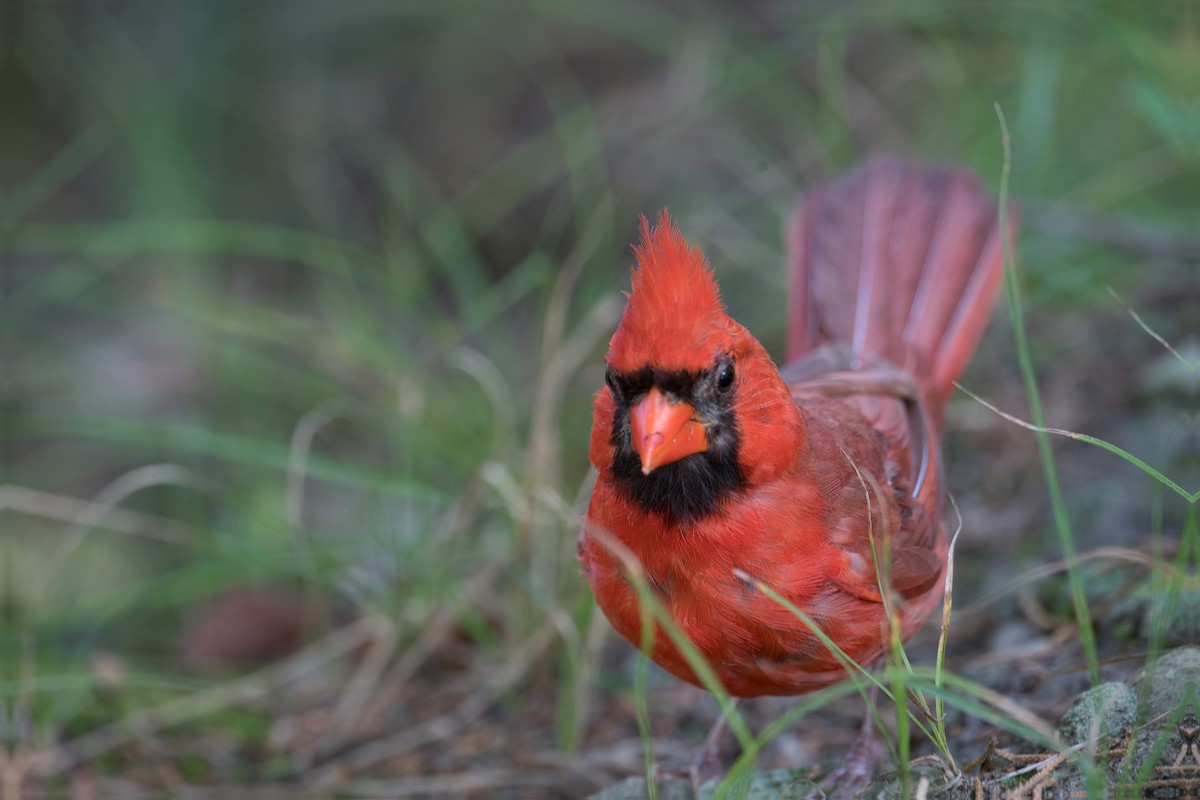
(664, 431)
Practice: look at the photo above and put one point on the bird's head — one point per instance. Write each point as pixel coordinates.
(689, 390)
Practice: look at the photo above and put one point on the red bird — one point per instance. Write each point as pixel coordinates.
(715, 465)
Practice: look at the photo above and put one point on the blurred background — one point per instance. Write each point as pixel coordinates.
(304, 303)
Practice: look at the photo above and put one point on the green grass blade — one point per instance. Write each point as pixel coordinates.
(1062, 520)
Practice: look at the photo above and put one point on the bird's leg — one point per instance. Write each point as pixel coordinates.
(859, 763)
(707, 763)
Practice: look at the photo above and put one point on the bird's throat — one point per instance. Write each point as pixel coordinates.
(684, 491)
(702, 471)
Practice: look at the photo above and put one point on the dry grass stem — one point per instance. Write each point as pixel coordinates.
(62, 508)
(440, 625)
(146, 722)
(496, 682)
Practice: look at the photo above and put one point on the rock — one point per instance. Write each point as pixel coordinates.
(1103, 713)
(1164, 749)
(1170, 682)
(779, 784)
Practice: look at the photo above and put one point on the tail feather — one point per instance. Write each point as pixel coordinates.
(901, 262)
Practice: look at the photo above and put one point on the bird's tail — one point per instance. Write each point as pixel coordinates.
(900, 262)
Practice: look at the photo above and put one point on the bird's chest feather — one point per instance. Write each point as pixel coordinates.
(696, 571)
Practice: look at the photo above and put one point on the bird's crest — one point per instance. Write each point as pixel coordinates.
(675, 318)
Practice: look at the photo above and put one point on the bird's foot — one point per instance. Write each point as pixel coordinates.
(708, 763)
(698, 773)
(856, 769)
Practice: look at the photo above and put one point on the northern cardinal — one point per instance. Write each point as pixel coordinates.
(717, 470)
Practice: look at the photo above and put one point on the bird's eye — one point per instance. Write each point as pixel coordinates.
(725, 377)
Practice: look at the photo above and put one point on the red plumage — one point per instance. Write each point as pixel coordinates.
(674, 300)
(713, 462)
